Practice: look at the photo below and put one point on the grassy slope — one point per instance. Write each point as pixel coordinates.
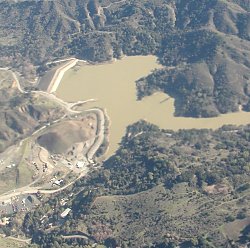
(155, 188)
(24, 173)
(179, 214)
(8, 243)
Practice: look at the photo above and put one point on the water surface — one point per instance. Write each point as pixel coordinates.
(114, 86)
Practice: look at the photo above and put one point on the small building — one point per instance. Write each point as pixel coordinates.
(65, 212)
(58, 182)
(80, 164)
(63, 201)
(4, 221)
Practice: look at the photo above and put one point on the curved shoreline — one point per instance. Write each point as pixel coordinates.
(57, 76)
(54, 84)
(71, 62)
(114, 85)
(97, 140)
(69, 106)
(100, 133)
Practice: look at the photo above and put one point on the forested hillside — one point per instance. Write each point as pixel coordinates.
(205, 45)
(161, 189)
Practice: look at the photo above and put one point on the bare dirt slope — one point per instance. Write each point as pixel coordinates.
(61, 137)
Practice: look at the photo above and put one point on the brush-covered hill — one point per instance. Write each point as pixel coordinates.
(23, 113)
(204, 44)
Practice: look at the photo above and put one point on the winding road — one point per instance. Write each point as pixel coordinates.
(16, 80)
(98, 139)
(34, 190)
(106, 7)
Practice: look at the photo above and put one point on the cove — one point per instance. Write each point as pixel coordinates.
(113, 85)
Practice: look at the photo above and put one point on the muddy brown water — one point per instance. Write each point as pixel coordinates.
(113, 85)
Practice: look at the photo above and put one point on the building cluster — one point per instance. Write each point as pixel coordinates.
(18, 204)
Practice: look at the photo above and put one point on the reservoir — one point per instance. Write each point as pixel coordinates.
(113, 85)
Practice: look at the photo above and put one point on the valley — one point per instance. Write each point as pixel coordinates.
(125, 124)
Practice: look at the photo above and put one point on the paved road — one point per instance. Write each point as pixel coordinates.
(17, 82)
(58, 100)
(106, 7)
(15, 78)
(72, 105)
(78, 236)
(34, 190)
(74, 237)
(97, 142)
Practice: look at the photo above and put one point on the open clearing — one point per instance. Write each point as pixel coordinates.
(132, 216)
(62, 136)
(8, 243)
(232, 230)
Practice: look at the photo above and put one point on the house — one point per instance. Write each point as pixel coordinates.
(4, 221)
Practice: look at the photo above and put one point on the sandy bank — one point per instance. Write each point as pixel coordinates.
(100, 133)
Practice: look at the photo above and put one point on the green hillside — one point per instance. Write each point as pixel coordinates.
(205, 46)
(161, 189)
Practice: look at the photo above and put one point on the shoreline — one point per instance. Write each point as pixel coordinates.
(59, 72)
(100, 132)
(202, 122)
(101, 114)
(103, 157)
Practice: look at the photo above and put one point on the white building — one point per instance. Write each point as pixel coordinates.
(65, 212)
